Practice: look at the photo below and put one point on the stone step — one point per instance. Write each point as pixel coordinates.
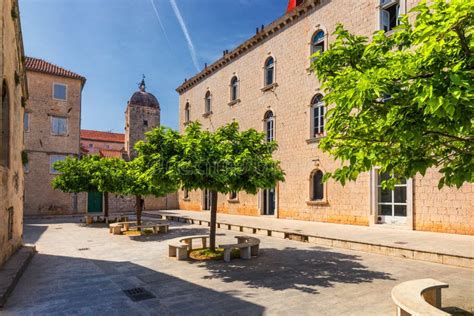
(394, 251)
(13, 269)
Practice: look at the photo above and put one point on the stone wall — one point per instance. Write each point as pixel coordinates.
(289, 100)
(11, 175)
(97, 145)
(135, 128)
(40, 144)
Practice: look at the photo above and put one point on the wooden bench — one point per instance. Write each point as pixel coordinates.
(248, 246)
(419, 297)
(179, 247)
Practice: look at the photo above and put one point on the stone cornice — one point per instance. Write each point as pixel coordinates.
(270, 30)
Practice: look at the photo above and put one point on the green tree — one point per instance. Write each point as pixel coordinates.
(224, 161)
(90, 173)
(403, 102)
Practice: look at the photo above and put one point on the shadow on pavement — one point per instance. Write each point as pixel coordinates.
(292, 268)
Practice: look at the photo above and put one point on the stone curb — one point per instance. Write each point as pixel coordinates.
(400, 252)
(12, 270)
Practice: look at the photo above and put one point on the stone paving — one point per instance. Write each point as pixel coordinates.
(288, 277)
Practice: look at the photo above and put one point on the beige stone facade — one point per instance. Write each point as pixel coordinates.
(14, 95)
(52, 132)
(288, 41)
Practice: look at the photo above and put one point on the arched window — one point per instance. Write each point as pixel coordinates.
(234, 88)
(233, 195)
(185, 194)
(269, 71)
(317, 186)
(208, 103)
(317, 116)
(317, 42)
(187, 110)
(5, 127)
(269, 120)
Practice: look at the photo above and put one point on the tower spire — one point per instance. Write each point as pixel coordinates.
(142, 84)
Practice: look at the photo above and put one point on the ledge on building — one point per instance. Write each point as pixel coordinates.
(269, 87)
(234, 102)
(207, 114)
(314, 140)
(12, 270)
(317, 203)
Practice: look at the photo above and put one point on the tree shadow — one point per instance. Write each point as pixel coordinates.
(70, 285)
(305, 270)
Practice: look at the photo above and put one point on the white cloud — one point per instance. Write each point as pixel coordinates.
(160, 22)
(184, 28)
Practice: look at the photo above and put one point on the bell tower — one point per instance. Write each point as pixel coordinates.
(142, 115)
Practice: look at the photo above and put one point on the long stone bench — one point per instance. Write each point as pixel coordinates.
(179, 247)
(248, 247)
(419, 297)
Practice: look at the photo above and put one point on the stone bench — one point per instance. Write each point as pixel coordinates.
(89, 218)
(157, 228)
(179, 247)
(419, 297)
(121, 225)
(248, 246)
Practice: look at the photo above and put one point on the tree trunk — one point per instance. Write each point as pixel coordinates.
(138, 209)
(106, 205)
(212, 237)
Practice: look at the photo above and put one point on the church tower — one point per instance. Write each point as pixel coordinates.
(141, 116)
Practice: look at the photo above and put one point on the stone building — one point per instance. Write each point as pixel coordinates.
(142, 114)
(265, 83)
(14, 97)
(52, 132)
(106, 144)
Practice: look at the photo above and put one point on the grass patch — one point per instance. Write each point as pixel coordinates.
(204, 254)
(143, 232)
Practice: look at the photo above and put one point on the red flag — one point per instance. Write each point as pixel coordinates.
(291, 5)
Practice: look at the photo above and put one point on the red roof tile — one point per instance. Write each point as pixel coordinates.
(102, 136)
(108, 153)
(39, 65)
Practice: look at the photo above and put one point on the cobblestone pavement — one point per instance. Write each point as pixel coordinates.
(288, 278)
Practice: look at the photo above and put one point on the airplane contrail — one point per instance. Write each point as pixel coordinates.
(192, 50)
(160, 22)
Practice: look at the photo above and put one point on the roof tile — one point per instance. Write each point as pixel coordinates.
(39, 65)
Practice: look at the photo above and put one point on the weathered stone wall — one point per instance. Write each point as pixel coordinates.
(97, 145)
(135, 128)
(40, 143)
(299, 156)
(11, 176)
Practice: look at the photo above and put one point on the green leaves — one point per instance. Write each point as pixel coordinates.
(403, 102)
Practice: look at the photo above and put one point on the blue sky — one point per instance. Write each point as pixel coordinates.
(113, 42)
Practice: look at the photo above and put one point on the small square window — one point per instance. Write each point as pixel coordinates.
(59, 125)
(91, 145)
(59, 91)
(145, 123)
(53, 159)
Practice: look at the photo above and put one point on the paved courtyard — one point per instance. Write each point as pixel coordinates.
(289, 277)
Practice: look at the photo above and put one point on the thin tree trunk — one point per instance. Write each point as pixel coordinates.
(106, 205)
(138, 209)
(212, 237)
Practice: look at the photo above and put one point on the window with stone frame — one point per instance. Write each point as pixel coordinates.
(269, 71)
(185, 194)
(208, 103)
(318, 109)
(389, 14)
(52, 160)
(269, 121)
(233, 195)
(317, 186)
(317, 42)
(234, 89)
(59, 125)
(187, 113)
(59, 91)
(5, 127)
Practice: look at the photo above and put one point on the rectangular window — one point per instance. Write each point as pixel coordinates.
(52, 160)
(389, 14)
(59, 91)
(318, 121)
(59, 125)
(10, 223)
(26, 122)
(26, 167)
(392, 202)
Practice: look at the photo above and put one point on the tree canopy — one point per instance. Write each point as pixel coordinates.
(404, 101)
